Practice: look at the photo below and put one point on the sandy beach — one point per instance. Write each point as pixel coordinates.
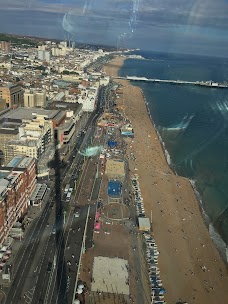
(191, 267)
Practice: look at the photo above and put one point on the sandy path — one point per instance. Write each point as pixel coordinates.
(184, 243)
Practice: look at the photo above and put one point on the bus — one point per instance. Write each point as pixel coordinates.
(67, 188)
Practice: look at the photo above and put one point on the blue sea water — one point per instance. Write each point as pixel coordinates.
(193, 123)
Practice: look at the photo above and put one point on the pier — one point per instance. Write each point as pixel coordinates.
(210, 84)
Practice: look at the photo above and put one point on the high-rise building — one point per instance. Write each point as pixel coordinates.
(17, 183)
(59, 51)
(63, 43)
(29, 99)
(40, 99)
(13, 95)
(44, 55)
(47, 56)
(42, 47)
(40, 54)
(34, 98)
(5, 46)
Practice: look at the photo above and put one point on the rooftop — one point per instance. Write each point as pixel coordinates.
(144, 223)
(20, 162)
(28, 113)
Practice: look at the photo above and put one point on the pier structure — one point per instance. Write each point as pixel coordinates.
(210, 84)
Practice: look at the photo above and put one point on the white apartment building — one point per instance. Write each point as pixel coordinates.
(89, 104)
(56, 52)
(44, 55)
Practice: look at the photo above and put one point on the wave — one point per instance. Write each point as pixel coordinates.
(189, 165)
(216, 238)
(219, 243)
(221, 107)
(167, 155)
(183, 125)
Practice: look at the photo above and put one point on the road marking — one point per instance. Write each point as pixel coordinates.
(34, 243)
(60, 243)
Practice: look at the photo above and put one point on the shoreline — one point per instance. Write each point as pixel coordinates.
(182, 245)
(216, 237)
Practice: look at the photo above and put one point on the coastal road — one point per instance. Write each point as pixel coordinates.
(57, 285)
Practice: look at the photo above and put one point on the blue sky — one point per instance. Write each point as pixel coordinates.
(185, 26)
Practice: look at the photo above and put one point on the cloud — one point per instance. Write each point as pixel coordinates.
(165, 12)
(144, 23)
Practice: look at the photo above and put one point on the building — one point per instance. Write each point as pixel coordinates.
(65, 132)
(104, 80)
(30, 148)
(29, 99)
(115, 169)
(27, 131)
(34, 138)
(40, 99)
(127, 131)
(42, 47)
(72, 110)
(12, 94)
(144, 223)
(34, 98)
(44, 55)
(55, 52)
(43, 168)
(5, 46)
(17, 183)
(22, 115)
(8, 131)
(2, 104)
(89, 102)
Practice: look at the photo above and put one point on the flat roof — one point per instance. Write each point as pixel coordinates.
(144, 223)
(28, 113)
(39, 192)
(73, 106)
(20, 161)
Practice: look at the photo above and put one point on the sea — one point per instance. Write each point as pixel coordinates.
(193, 124)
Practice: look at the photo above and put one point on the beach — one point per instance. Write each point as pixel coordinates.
(191, 267)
